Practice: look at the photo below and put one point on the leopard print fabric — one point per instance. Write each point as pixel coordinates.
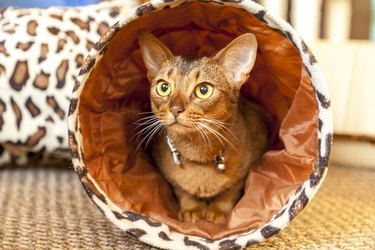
(41, 52)
(159, 234)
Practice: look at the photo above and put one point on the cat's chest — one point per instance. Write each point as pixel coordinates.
(202, 180)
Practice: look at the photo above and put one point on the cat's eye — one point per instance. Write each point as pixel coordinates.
(163, 88)
(204, 90)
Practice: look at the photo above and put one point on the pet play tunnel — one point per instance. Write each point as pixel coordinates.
(112, 89)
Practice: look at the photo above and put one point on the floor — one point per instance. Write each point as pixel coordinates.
(44, 208)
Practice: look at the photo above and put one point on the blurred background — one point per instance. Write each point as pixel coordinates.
(327, 19)
(45, 3)
(341, 34)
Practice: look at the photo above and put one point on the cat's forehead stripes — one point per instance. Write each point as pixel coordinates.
(186, 65)
(169, 73)
(183, 72)
(197, 75)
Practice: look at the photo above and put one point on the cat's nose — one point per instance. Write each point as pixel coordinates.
(176, 109)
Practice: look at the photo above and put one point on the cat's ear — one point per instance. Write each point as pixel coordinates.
(154, 53)
(238, 58)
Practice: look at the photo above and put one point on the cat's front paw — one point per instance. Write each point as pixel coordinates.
(192, 215)
(215, 214)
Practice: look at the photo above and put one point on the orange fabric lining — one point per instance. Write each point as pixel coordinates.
(117, 90)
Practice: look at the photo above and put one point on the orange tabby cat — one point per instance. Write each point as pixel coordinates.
(212, 135)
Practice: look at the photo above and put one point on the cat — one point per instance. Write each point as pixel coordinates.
(212, 135)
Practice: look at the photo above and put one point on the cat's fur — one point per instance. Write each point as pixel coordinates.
(203, 191)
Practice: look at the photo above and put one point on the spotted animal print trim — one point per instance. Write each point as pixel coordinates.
(41, 52)
(159, 234)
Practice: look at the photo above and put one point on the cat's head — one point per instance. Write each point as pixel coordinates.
(186, 92)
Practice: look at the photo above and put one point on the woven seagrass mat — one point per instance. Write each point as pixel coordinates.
(47, 208)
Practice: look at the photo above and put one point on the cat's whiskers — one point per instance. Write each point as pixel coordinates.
(203, 127)
(153, 126)
(220, 125)
(202, 134)
(146, 112)
(145, 129)
(221, 122)
(213, 131)
(145, 121)
(153, 132)
(217, 134)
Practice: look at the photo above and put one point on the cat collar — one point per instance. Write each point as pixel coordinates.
(219, 159)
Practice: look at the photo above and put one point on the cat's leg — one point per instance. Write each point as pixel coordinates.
(223, 203)
(191, 209)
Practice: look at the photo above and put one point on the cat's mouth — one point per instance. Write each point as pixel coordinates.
(180, 124)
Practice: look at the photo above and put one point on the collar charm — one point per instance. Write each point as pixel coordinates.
(175, 153)
(220, 162)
